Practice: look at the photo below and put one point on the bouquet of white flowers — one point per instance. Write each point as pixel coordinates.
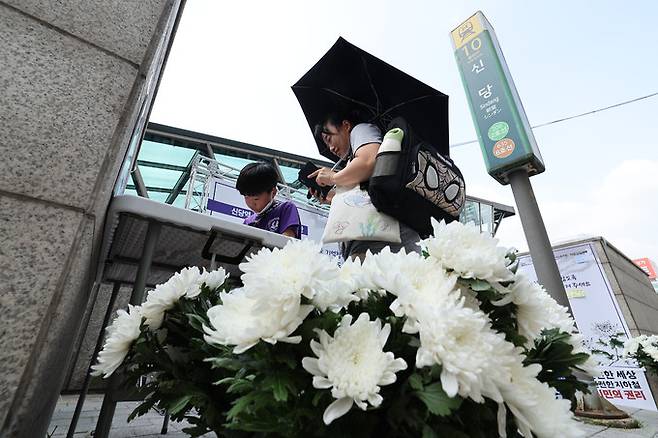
(644, 349)
(448, 343)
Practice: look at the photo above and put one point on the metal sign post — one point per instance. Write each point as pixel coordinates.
(506, 139)
(512, 156)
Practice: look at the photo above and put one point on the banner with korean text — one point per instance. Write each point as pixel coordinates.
(598, 318)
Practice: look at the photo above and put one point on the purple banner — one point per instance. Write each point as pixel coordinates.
(231, 210)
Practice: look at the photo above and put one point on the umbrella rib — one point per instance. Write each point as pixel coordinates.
(329, 90)
(370, 107)
(372, 86)
(404, 103)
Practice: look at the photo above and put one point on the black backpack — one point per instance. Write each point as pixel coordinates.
(416, 183)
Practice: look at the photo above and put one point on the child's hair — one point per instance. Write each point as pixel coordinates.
(257, 178)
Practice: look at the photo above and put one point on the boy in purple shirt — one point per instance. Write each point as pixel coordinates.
(257, 183)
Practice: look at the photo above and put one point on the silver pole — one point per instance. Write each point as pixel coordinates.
(535, 233)
(104, 422)
(97, 349)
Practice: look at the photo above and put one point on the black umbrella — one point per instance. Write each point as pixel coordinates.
(348, 78)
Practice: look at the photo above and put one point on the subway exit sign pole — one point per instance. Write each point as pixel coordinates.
(508, 145)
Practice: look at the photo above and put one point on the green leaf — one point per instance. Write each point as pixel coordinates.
(555, 355)
(196, 321)
(240, 405)
(239, 386)
(225, 362)
(414, 342)
(480, 285)
(279, 386)
(316, 398)
(225, 380)
(511, 256)
(280, 392)
(142, 409)
(416, 382)
(437, 401)
(179, 404)
(429, 433)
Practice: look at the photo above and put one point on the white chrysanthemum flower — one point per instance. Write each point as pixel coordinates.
(233, 322)
(649, 345)
(468, 252)
(591, 365)
(353, 364)
(182, 284)
(653, 352)
(632, 344)
(364, 272)
(474, 359)
(299, 269)
(120, 335)
(535, 407)
(537, 310)
(213, 279)
(356, 275)
(417, 282)
(242, 319)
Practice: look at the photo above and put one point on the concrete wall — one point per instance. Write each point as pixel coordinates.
(633, 290)
(74, 77)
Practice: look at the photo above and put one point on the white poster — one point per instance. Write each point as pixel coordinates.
(598, 318)
(224, 199)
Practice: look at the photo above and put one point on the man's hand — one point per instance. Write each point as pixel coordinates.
(318, 195)
(324, 176)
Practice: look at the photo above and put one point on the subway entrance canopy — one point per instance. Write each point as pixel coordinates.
(165, 165)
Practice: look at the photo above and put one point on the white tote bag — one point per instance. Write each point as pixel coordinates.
(353, 217)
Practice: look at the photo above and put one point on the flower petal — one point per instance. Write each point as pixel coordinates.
(310, 364)
(337, 409)
(320, 382)
(449, 383)
(243, 347)
(375, 400)
(502, 417)
(316, 347)
(383, 335)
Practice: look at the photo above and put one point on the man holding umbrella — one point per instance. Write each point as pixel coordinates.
(358, 143)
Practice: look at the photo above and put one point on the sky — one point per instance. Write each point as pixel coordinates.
(232, 64)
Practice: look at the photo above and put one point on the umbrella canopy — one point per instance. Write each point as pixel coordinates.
(348, 78)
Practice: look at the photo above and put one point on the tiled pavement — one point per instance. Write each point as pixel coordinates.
(150, 425)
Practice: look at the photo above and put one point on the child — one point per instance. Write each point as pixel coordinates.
(257, 183)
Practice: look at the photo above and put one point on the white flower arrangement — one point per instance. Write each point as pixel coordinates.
(302, 332)
(125, 329)
(644, 349)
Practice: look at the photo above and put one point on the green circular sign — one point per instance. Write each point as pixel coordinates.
(498, 131)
